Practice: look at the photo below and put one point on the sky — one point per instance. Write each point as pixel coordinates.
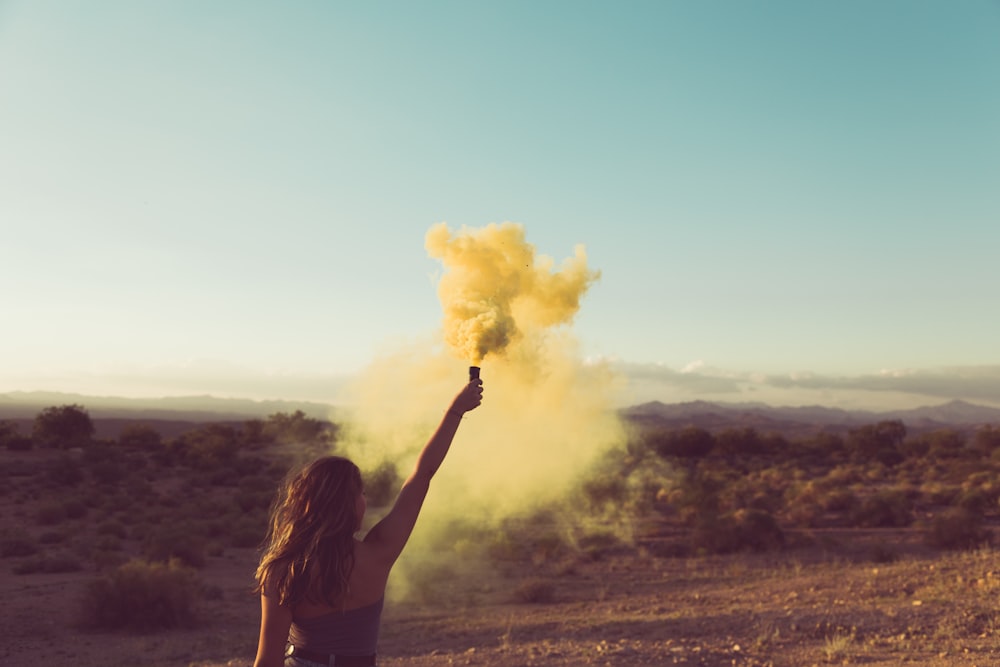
(788, 202)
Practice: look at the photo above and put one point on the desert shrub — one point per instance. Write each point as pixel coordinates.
(18, 443)
(112, 527)
(17, 542)
(246, 534)
(141, 437)
(108, 543)
(175, 543)
(743, 530)
(976, 501)
(249, 501)
(937, 493)
(64, 471)
(844, 475)
(608, 489)
(535, 591)
(52, 537)
(956, 528)
(877, 442)
(840, 501)
(140, 596)
(50, 513)
(63, 426)
(758, 530)
(946, 444)
(690, 442)
(597, 543)
(223, 475)
(108, 472)
(252, 466)
(547, 546)
(886, 509)
(739, 442)
(74, 509)
(107, 560)
(804, 513)
(212, 446)
(49, 564)
(883, 553)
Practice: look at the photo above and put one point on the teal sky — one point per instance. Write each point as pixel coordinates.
(797, 201)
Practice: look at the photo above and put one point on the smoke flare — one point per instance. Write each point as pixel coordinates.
(495, 290)
(546, 417)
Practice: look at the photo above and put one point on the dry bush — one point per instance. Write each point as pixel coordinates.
(889, 508)
(743, 530)
(142, 597)
(50, 514)
(596, 544)
(175, 543)
(956, 528)
(535, 591)
(49, 564)
(246, 533)
(112, 527)
(17, 542)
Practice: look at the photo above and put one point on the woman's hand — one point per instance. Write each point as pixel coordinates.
(469, 398)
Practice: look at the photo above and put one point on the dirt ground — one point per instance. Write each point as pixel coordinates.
(796, 608)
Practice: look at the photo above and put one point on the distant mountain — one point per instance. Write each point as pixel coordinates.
(787, 419)
(22, 405)
(189, 411)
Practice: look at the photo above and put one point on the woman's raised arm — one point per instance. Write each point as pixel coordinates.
(389, 536)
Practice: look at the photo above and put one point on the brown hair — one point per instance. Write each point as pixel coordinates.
(309, 550)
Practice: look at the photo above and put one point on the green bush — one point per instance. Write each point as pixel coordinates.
(142, 597)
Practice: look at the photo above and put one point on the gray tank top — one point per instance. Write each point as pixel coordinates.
(351, 632)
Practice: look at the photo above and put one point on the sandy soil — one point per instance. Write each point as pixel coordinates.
(800, 607)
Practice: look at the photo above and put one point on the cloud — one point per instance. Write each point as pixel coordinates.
(695, 378)
(894, 388)
(972, 383)
(196, 377)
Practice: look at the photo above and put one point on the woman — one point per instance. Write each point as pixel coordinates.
(322, 589)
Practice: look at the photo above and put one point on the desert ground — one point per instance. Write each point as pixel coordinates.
(832, 591)
(808, 606)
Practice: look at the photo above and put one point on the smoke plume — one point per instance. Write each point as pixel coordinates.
(495, 290)
(546, 416)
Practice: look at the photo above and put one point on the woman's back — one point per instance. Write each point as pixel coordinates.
(322, 589)
(365, 586)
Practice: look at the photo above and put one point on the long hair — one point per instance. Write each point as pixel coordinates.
(308, 553)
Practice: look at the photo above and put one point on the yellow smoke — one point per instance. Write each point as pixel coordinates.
(495, 290)
(546, 415)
